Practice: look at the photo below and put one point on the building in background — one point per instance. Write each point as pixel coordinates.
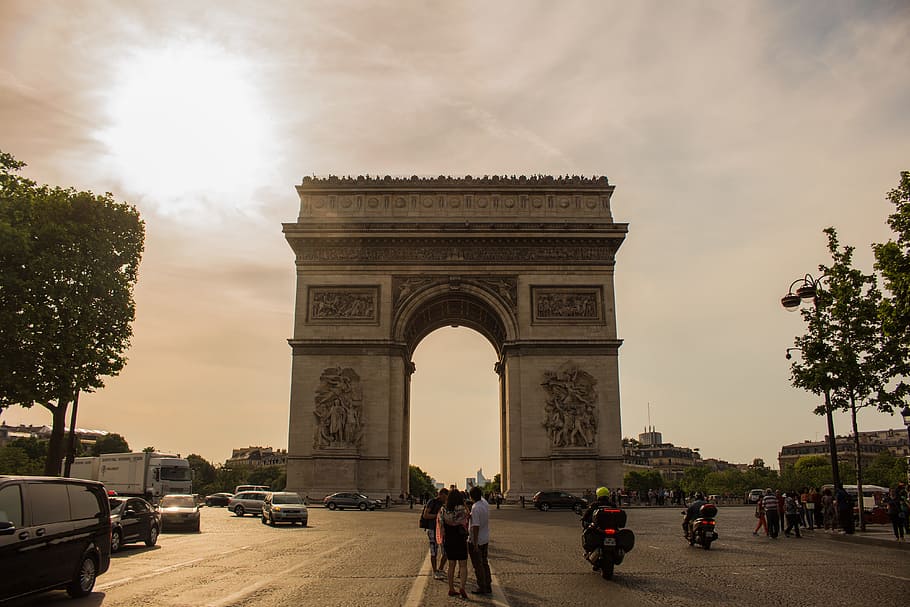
(479, 480)
(257, 457)
(870, 444)
(650, 452)
(87, 438)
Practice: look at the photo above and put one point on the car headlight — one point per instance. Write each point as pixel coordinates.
(276, 508)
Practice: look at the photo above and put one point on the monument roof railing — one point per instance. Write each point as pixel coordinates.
(446, 181)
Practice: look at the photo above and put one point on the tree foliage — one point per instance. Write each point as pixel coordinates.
(892, 260)
(70, 261)
(642, 480)
(111, 443)
(419, 482)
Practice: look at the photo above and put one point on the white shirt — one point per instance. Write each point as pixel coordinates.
(480, 518)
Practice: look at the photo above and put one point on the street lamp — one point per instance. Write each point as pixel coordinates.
(791, 302)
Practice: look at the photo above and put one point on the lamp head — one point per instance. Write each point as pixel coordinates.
(790, 302)
(806, 291)
(905, 413)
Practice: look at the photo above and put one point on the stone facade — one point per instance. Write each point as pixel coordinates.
(525, 261)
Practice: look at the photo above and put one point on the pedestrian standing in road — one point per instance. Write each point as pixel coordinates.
(772, 513)
(455, 519)
(895, 513)
(760, 515)
(791, 508)
(843, 504)
(828, 514)
(428, 522)
(479, 542)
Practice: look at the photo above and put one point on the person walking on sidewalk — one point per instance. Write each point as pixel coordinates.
(896, 513)
(479, 542)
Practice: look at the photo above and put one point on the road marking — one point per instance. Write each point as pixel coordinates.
(112, 584)
(896, 577)
(418, 588)
(236, 597)
(415, 595)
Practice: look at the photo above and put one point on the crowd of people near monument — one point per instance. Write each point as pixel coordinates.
(457, 527)
(831, 510)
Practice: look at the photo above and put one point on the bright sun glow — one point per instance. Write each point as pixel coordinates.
(188, 127)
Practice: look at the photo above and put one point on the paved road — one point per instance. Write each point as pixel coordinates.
(356, 559)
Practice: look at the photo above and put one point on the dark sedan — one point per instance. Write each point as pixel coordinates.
(218, 499)
(133, 520)
(344, 500)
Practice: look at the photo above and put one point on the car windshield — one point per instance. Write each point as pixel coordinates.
(286, 499)
(178, 501)
(176, 474)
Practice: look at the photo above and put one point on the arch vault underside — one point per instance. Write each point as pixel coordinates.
(527, 262)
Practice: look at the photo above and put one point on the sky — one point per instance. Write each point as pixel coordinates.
(733, 132)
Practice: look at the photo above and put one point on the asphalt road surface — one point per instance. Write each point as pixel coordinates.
(360, 559)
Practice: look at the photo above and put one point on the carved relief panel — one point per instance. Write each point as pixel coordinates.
(567, 304)
(571, 407)
(339, 410)
(342, 305)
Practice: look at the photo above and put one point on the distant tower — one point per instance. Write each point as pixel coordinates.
(650, 437)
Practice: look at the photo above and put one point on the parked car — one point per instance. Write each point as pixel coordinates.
(545, 500)
(343, 499)
(284, 507)
(133, 520)
(179, 510)
(246, 502)
(54, 533)
(218, 499)
(242, 488)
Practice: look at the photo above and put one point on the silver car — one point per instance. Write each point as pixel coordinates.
(284, 507)
(179, 510)
(247, 502)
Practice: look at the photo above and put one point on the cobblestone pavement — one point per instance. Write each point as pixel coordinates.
(375, 559)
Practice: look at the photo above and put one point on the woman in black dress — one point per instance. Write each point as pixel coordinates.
(455, 517)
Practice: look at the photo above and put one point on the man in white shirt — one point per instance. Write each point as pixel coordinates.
(479, 540)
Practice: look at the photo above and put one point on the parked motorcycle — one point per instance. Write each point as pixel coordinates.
(605, 540)
(702, 529)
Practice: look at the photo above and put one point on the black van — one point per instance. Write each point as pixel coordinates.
(54, 533)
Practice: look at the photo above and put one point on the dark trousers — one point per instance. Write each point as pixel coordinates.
(773, 519)
(792, 524)
(481, 564)
(845, 518)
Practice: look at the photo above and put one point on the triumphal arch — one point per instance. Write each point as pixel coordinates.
(525, 261)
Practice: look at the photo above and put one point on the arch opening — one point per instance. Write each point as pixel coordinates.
(454, 406)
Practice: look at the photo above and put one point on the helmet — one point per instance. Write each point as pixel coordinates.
(603, 492)
(699, 495)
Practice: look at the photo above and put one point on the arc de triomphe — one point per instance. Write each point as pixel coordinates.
(525, 261)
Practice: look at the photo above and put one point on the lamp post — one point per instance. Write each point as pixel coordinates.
(905, 413)
(791, 302)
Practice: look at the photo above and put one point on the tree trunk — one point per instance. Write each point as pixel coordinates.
(859, 465)
(55, 444)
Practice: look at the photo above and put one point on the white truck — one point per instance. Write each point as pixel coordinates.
(149, 475)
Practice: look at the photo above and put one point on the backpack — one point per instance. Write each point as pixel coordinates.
(428, 523)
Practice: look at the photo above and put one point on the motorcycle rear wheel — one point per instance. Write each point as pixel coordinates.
(606, 569)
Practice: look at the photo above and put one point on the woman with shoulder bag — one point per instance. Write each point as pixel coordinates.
(454, 516)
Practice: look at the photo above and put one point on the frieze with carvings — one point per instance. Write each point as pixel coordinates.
(571, 407)
(338, 410)
(333, 304)
(448, 180)
(505, 288)
(567, 304)
(326, 251)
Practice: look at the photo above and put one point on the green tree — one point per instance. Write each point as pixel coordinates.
(70, 261)
(694, 478)
(273, 477)
(892, 260)
(111, 443)
(204, 475)
(643, 480)
(886, 470)
(493, 486)
(419, 482)
(844, 351)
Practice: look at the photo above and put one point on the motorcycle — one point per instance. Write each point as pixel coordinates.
(702, 529)
(605, 541)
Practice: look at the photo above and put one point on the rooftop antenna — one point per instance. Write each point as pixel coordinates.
(649, 416)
